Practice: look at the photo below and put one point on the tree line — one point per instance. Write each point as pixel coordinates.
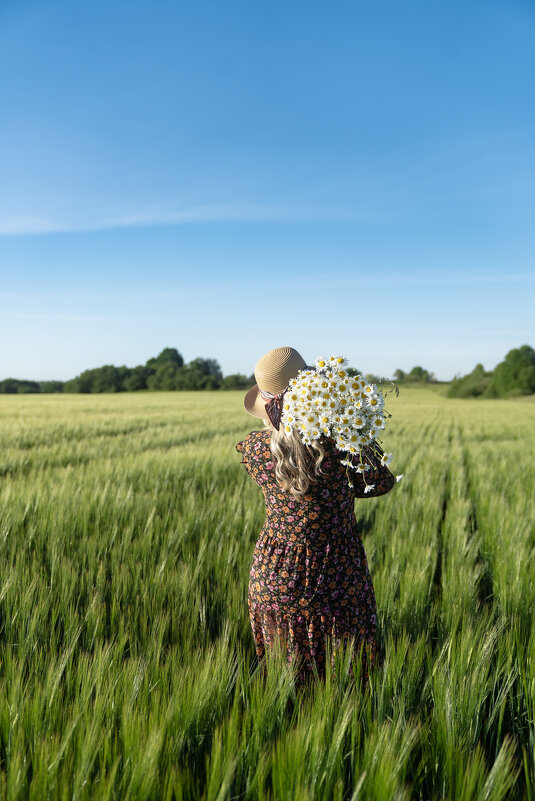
(514, 376)
(167, 371)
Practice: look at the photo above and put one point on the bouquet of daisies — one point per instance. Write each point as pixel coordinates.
(328, 401)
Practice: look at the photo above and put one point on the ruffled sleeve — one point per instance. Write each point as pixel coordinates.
(241, 447)
(244, 447)
(378, 476)
(254, 455)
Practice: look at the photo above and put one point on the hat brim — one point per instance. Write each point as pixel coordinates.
(254, 403)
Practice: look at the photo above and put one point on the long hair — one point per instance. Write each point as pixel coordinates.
(296, 465)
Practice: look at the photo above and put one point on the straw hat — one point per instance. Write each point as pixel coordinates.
(273, 373)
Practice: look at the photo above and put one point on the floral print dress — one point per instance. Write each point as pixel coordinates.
(309, 578)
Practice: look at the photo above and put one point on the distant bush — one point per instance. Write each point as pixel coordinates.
(471, 385)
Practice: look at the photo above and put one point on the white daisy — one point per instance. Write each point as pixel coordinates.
(340, 362)
(375, 402)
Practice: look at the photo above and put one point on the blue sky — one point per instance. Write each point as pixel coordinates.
(226, 178)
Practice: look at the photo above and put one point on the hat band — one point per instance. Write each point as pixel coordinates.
(269, 395)
(273, 406)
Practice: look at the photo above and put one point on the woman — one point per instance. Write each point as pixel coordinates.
(309, 581)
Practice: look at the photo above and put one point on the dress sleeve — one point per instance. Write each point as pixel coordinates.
(253, 456)
(378, 476)
(241, 447)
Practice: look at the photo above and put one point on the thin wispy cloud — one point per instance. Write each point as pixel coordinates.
(73, 318)
(35, 225)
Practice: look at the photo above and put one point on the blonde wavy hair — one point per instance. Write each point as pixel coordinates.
(296, 465)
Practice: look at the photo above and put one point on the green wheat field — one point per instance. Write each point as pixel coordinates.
(127, 664)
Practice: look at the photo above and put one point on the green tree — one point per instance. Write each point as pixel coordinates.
(166, 356)
(516, 374)
(51, 386)
(18, 386)
(163, 377)
(237, 381)
(418, 374)
(137, 378)
(106, 379)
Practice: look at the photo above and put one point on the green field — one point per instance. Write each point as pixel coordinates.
(127, 664)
